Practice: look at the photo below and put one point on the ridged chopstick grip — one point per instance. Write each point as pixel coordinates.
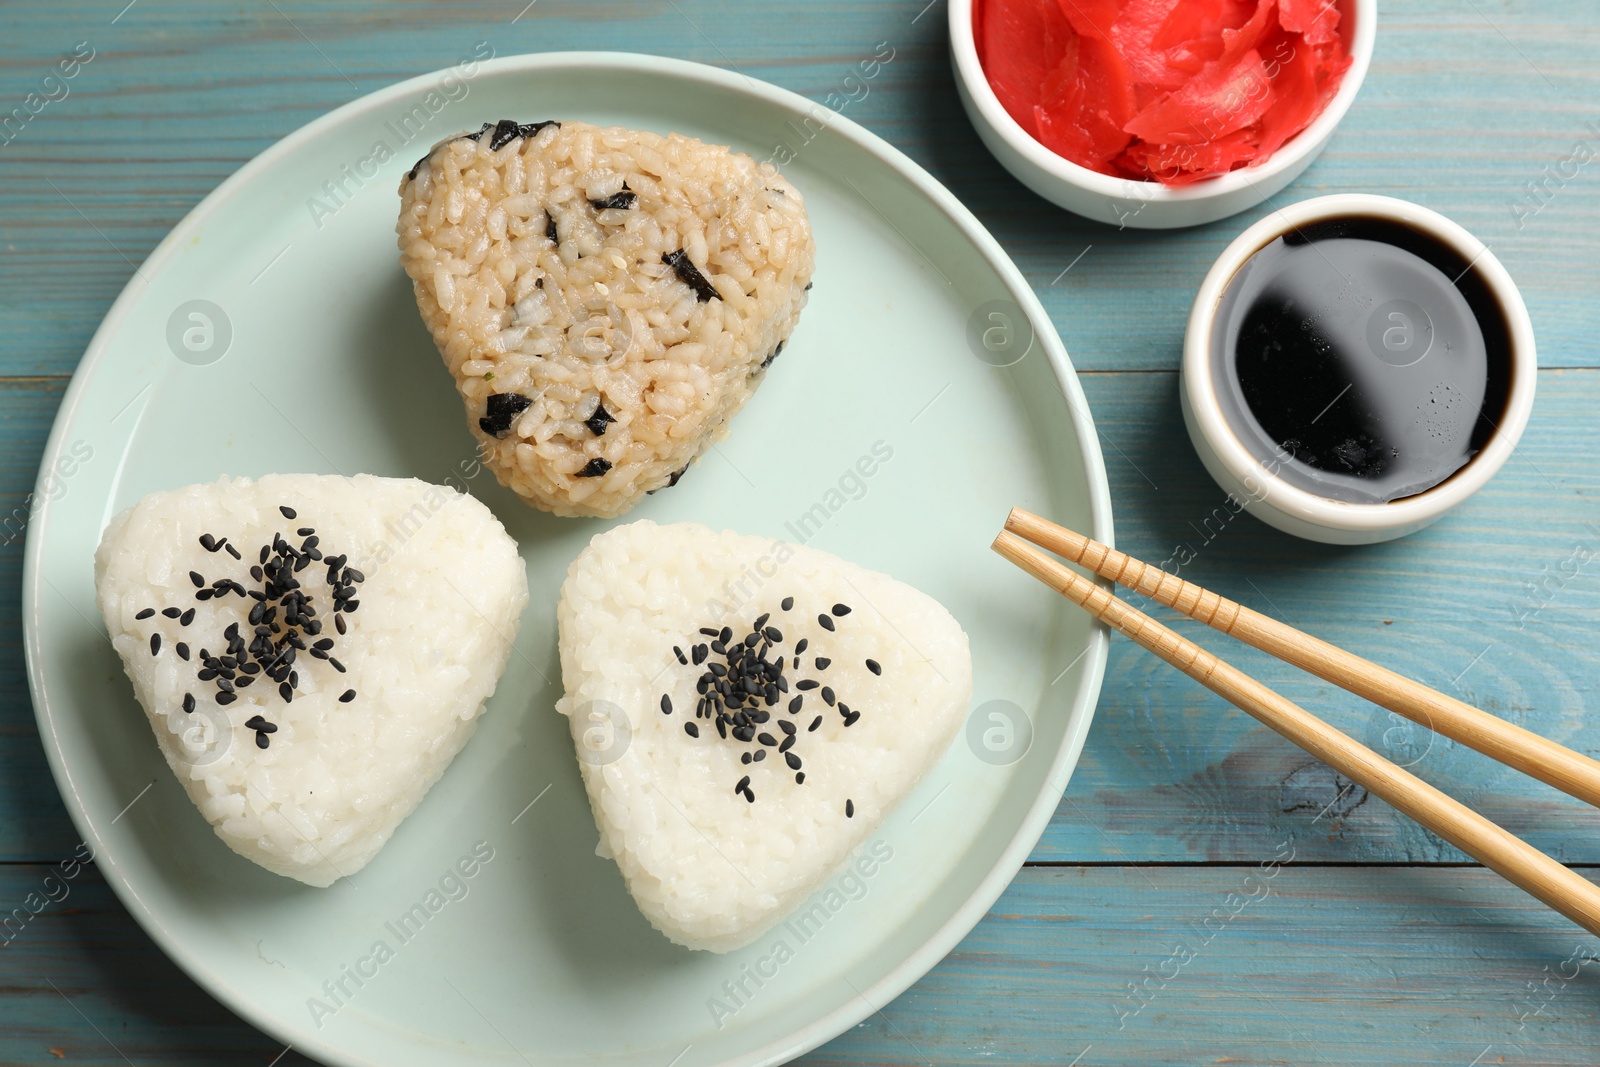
(1539, 757)
(1501, 851)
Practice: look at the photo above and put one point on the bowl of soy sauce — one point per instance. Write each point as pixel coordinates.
(1355, 366)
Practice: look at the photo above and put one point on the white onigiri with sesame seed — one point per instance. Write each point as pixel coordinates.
(725, 814)
(311, 651)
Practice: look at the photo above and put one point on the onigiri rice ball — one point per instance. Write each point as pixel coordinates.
(746, 712)
(605, 299)
(311, 651)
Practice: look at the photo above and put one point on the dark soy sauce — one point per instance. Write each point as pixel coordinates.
(1361, 360)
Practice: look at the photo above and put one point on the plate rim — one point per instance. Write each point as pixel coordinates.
(961, 920)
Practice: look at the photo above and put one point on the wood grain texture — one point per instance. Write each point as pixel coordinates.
(1265, 964)
(1466, 103)
(1533, 754)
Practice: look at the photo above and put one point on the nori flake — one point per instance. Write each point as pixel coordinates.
(502, 409)
(594, 468)
(601, 418)
(626, 198)
(689, 275)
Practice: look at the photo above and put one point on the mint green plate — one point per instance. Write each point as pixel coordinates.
(308, 355)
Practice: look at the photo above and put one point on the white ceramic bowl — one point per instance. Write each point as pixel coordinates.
(1122, 202)
(1288, 507)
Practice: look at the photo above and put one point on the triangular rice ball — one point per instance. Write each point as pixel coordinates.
(606, 299)
(727, 787)
(312, 651)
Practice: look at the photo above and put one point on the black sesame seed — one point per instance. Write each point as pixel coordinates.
(183, 651)
(194, 576)
(792, 760)
(227, 698)
(744, 783)
(803, 644)
(849, 809)
(850, 719)
(304, 531)
(744, 758)
(759, 623)
(766, 739)
(286, 691)
(353, 575)
(145, 614)
(773, 634)
(171, 613)
(203, 594)
(666, 704)
(841, 610)
(823, 663)
(800, 778)
(347, 696)
(872, 665)
(188, 703)
(234, 552)
(749, 796)
(155, 644)
(691, 729)
(786, 603)
(709, 631)
(698, 654)
(825, 622)
(338, 623)
(288, 512)
(186, 618)
(760, 755)
(676, 651)
(806, 684)
(263, 741)
(224, 685)
(794, 705)
(814, 724)
(827, 696)
(786, 726)
(208, 542)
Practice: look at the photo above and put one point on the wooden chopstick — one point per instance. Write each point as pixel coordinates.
(1501, 851)
(1569, 771)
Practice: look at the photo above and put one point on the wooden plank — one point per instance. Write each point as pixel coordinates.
(1145, 965)
(178, 96)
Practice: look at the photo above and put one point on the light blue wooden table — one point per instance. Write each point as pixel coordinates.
(1142, 931)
